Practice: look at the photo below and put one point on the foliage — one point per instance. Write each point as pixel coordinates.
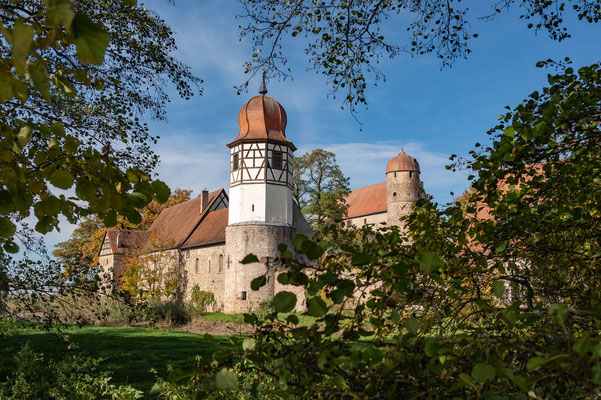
(201, 300)
(320, 187)
(152, 271)
(345, 40)
(168, 312)
(80, 251)
(493, 296)
(75, 77)
(73, 377)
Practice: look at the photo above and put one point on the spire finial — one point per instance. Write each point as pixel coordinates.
(263, 88)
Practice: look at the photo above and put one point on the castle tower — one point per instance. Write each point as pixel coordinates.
(261, 205)
(403, 187)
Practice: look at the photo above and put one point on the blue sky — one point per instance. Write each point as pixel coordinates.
(430, 112)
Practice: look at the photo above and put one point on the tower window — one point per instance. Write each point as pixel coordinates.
(410, 173)
(395, 174)
(252, 207)
(221, 263)
(365, 221)
(236, 162)
(209, 266)
(393, 194)
(243, 296)
(277, 160)
(196, 266)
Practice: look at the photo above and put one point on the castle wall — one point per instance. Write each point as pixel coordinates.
(375, 220)
(110, 267)
(208, 272)
(262, 241)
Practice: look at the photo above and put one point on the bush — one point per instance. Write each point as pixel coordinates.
(170, 312)
(74, 377)
(200, 300)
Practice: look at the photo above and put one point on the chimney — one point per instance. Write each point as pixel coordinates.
(204, 200)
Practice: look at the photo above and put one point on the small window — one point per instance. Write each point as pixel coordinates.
(221, 263)
(243, 296)
(395, 174)
(365, 221)
(393, 194)
(276, 160)
(410, 173)
(209, 266)
(348, 222)
(252, 207)
(236, 162)
(196, 266)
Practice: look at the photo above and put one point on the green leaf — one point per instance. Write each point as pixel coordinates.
(7, 228)
(59, 12)
(91, 39)
(498, 288)
(11, 247)
(248, 344)
(560, 312)
(58, 129)
(62, 179)
(412, 325)
(22, 39)
(85, 190)
(372, 355)
(483, 372)
(430, 262)
(40, 78)
(45, 224)
(316, 307)
(251, 258)
(298, 241)
(284, 301)
(361, 259)
(161, 191)
(467, 380)
(24, 136)
(257, 283)
(226, 380)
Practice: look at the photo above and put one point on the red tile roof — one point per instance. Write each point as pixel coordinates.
(176, 223)
(125, 241)
(210, 231)
(367, 200)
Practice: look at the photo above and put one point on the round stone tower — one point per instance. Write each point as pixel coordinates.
(403, 187)
(260, 207)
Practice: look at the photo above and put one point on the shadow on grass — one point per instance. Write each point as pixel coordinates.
(129, 353)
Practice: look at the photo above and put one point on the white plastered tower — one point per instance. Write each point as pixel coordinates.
(261, 204)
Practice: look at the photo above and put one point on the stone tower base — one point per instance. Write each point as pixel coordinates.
(262, 241)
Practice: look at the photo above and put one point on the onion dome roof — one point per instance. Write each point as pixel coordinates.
(402, 162)
(262, 118)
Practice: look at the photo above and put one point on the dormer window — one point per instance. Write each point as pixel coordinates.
(236, 162)
(276, 160)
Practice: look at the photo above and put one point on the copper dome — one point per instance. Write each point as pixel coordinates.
(262, 118)
(402, 162)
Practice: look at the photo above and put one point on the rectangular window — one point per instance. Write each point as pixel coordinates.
(236, 162)
(243, 296)
(277, 160)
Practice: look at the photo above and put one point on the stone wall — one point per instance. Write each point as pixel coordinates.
(208, 272)
(403, 189)
(262, 241)
(375, 220)
(110, 267)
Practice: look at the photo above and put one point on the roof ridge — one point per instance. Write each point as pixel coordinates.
(205, 212)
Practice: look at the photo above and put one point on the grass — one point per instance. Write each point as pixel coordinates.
(129, 353)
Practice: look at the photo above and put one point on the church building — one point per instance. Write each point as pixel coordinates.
(206, 238)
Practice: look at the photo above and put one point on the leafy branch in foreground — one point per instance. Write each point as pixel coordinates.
(345, 40)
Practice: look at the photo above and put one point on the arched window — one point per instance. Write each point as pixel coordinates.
(196, 266)
(209, 266)
(221, 263)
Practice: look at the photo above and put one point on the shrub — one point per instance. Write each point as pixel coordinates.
(201, 300)
(73, 377)
(170, 312)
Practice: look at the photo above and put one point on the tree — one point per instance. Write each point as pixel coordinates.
(319, 187)
(153, 272)
(345, 38)
(75, 79)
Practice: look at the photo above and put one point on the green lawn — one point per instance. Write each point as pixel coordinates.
(129, 353)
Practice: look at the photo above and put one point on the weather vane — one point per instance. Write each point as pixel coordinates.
(263, 88)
